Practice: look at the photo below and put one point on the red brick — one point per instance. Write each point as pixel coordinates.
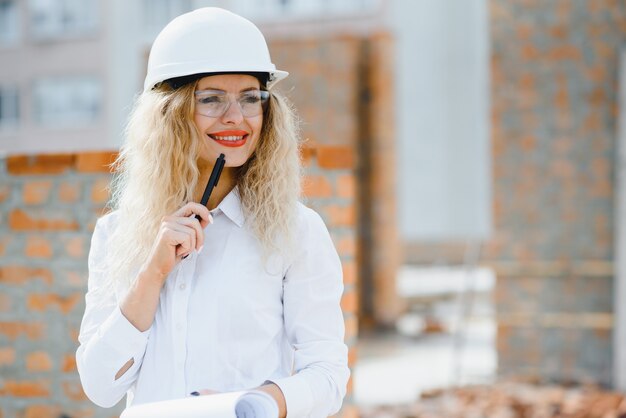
(69, 363)
(352, 327)
(349, 301)
(42, 411)
(346, 186)
(13, 330)
(25, 389)
(334, 157)
(349, 272)
(524, 31)
(74, 391)
(38, 247)
(16, 274)
(565, 52)
(75, 247)
(38, 361)
(529, 143)
(5, 303)
(7, 356)
(94, 162)
(341, 215)
(346, 246)
(74, 279)
(41, 164)
(316, 186)
(352, 356)
(36, 192)
(69, 192)
(40, 302)
(73, 334)
(5, 192)
(19, 220)
(100, 191)
(530, 52)
(85, 413)
(307, 153)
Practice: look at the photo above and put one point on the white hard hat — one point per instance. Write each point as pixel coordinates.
(209, 40)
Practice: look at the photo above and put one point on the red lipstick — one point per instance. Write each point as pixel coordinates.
(230, 138)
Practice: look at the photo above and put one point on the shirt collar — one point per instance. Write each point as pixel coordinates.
(231, 207)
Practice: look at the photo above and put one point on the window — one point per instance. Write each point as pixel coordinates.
(52, 19)
(9, 22)
(157, 13)
(67, 101)
(303, 8)
(9, 107)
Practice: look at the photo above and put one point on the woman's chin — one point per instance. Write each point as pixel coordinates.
(230, 161)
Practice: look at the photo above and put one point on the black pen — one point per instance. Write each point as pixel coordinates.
(213, 179)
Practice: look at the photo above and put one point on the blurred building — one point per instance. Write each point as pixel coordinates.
(437, 132)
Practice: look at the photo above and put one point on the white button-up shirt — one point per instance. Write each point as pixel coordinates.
(224, 321)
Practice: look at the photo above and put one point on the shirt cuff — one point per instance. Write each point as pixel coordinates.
(298, 396)
(122, 336)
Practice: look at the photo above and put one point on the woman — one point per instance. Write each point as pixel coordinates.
(185, 300)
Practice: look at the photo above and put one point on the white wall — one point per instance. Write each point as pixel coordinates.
(442, 94)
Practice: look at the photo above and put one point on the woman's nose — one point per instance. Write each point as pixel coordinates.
(233, 114)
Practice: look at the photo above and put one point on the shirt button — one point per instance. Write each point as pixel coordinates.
(179, 326)
(182, 286)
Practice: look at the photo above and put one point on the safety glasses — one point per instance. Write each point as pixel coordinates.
(215, 103)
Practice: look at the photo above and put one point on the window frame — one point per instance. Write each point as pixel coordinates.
(10, 126)
(70, 85)
(89, 20)
(17, 36)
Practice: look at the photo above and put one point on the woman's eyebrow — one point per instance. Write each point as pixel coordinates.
(224, 91)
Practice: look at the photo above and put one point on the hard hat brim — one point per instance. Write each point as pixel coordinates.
(274, 76)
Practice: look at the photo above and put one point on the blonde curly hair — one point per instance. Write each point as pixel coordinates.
(157, 172)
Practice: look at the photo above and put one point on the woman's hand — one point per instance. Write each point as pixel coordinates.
(270, 388)
(180, 233)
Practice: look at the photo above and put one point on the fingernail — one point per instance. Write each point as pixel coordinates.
(195, 394)
(200, 249)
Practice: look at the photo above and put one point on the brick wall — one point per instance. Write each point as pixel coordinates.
(342, 87)
(554, 85)
(48, 208)
(49, 205)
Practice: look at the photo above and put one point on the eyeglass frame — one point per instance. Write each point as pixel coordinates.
(264, 96)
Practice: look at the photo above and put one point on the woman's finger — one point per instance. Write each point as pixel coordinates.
(180, 236)
(193, 208)
(192, 222)
(188, 224)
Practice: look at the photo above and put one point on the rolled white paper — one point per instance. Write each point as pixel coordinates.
(247, 404)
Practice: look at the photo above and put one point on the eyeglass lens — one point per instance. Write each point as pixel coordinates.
(215, 104)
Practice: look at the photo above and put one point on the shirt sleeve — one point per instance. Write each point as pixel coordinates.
(314, 325)
(107, 339)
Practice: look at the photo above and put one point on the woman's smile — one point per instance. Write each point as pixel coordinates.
(231, 138)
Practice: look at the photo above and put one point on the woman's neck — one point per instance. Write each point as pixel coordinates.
(225, 184)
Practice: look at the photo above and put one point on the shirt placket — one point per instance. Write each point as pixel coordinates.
(180, 305)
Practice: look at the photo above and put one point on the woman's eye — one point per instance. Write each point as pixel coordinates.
(209, 99)
(250, 99)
